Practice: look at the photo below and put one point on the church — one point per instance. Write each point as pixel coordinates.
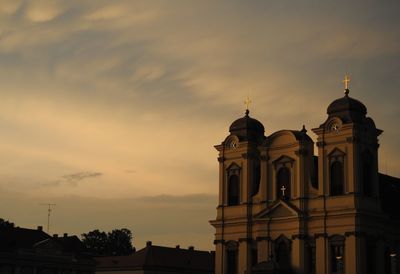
(282, 209)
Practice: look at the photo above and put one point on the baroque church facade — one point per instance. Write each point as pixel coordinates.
(284, 210)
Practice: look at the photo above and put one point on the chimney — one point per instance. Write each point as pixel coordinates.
(40, 228)
(65, 235)
(55, 235)
(148, 243)
(191, 248)
(177, 246)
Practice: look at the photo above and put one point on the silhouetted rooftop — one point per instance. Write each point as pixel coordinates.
(17, 238)
(157, 257)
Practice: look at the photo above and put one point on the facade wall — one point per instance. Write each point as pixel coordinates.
(315, 230)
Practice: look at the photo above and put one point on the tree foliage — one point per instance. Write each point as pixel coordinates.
(6, 224)
(116, 242)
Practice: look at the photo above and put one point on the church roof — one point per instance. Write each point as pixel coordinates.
(348, 109)
(390, 194)
(247, 128)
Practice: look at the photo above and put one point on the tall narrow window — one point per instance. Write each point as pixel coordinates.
(370, 254)
(232, 262)
(337, 254)
(337, 179)
(256, 180)
(283, 183)
(311, 257)
(282, 253)
(254, 256)
(233, 190)
(232, 257)
(367, 173)
(314, 174)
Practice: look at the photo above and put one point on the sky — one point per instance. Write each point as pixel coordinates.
(111, 109)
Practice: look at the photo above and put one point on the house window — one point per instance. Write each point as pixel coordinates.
(283, 183)
(233, 190)
(337, 179)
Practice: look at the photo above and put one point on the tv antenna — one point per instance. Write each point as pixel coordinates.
(49, 209)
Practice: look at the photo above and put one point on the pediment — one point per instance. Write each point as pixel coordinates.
(280, 209)
(336, 152)
(283, 159)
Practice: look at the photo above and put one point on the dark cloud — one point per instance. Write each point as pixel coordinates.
(79, 176)
(73, 179)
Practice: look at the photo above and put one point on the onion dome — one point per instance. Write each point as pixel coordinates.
(347, 109)
(247, 128)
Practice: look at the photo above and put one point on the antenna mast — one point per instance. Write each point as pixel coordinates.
(49, 209)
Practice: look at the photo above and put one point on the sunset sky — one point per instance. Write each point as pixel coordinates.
(111, 109)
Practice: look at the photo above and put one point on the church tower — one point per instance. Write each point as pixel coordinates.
(239, 180)
(348, 149)
(349, 184)
(282, 209)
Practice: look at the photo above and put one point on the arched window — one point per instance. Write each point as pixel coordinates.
(233, 190)
(337, 179)
(283, 183)
(337, 254)
(232, 257)
(282, 253)
(256, 180)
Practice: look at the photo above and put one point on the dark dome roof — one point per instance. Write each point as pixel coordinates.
(247, 128)
(348, 109)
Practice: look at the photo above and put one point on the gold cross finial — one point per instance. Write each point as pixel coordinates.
(346, 82)
(247, 102)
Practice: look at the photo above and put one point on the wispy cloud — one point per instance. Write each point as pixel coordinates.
(73, 179)
(79, 176)
(102, 86)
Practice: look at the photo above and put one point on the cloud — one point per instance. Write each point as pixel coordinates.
(100, 85)
(9, 6)
(158, 218)
(73, 179)
(43, 10)
(79, 176)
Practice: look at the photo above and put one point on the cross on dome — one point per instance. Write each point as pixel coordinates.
(247, 102)
(346, 82)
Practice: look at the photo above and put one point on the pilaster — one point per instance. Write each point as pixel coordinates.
(263, 249)
(321, 245)
(298, 255)
(219, 260)
(244, 255)
(353, 251)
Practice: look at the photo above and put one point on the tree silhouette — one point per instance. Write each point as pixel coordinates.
(6, 224)
(120, 242)
(116, 242)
